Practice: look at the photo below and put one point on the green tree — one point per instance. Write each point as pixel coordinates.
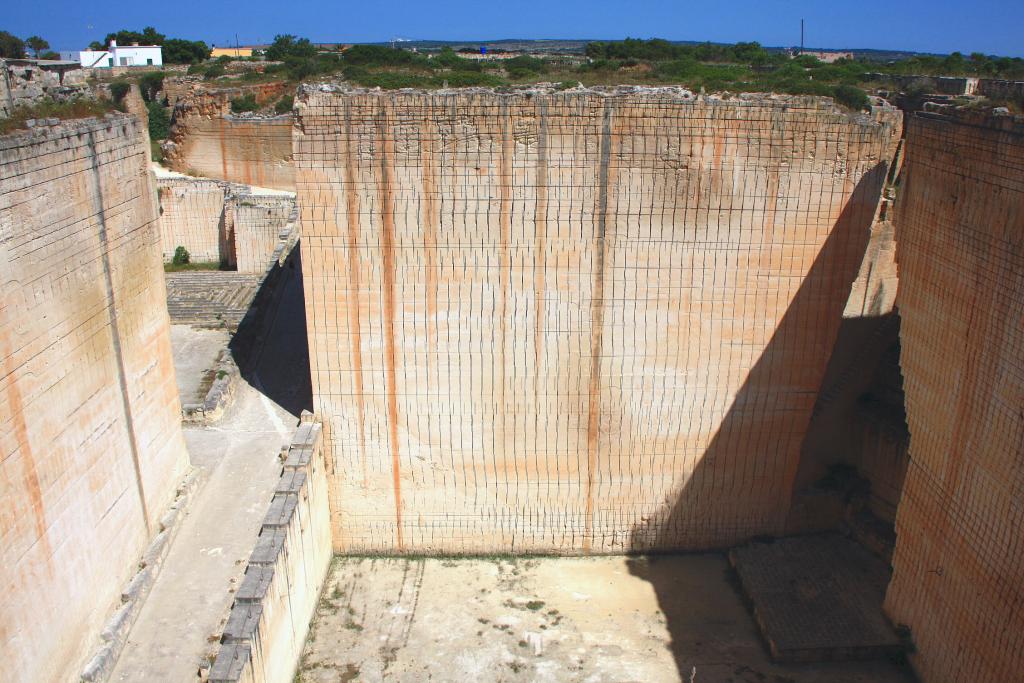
(851, 96)
(11, 46)
(243, 104)
(119, 90)
(149, 36)
(178, 51)
(215, 70)
(37, 44)
(181, 256)
(289, 46)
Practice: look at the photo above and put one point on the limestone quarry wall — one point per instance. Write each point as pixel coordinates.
(251, 151)
(192, 216)
(572, 322)
(91, 448)
(957, 580)
(219, 222)
(26, 82)
(207, 140)
(258, 225)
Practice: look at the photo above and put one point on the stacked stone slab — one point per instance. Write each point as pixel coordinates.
(91, 448)
(957, 581)
(573, 322)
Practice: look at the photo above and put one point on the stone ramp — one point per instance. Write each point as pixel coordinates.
(817, 598)
(210, 298)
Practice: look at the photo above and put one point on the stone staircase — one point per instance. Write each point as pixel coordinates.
(211, 298)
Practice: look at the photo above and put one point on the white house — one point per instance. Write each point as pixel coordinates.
(122, 55)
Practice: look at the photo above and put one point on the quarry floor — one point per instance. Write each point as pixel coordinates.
(181, 619)
(179, 626)
(665, 618)
(195, 353)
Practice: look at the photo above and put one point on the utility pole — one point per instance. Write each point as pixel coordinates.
(801, 36)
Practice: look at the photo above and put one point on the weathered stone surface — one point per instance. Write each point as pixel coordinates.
(261, 223)
(210, 298)
(817, 598)
(226, 223)
(25, 82)
(957, 580)
(192, 216)
(573, 321)
(208, 140)
(90, 436)
(661, 619)
(276, 600)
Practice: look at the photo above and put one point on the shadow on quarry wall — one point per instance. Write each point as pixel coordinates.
(270, 347)
(859, 427)
(728, 457)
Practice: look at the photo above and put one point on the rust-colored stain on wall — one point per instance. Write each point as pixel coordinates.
(90, 423)
(582, 321)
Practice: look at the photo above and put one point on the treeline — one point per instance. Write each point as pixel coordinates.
(658, 49)
(13, 47)
(754, 55)
(376, 65)
(956, 64)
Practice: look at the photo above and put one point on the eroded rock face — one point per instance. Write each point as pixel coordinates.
(90, 433)
(207, 140)
(27, 82)
(957, 579)
(580, 321)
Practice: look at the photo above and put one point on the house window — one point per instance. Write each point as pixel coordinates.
(149, 62)
(110, 61)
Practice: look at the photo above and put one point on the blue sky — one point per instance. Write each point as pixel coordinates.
(990, 26)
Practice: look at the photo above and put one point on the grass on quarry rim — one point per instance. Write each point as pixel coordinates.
(76, 109)
(185, 267)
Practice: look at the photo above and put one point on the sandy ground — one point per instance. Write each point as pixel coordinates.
(182, 618)
(547, 619)
(195, 353)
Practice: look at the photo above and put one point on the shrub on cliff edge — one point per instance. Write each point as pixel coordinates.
(851, 96)
(284, 105)
(243, 104)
